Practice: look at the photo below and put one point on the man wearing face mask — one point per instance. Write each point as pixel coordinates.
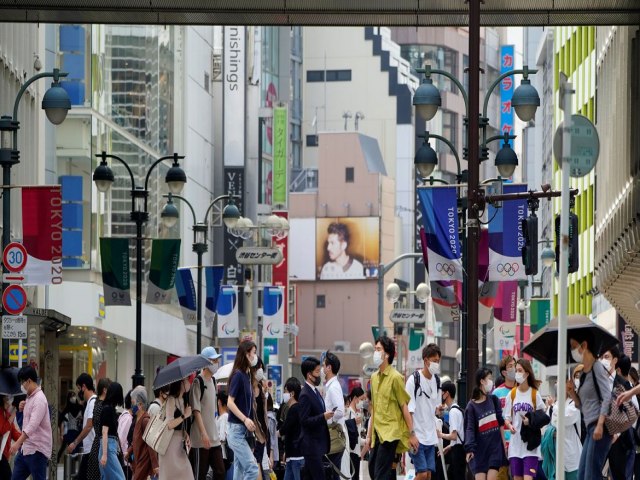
(508, 372)
(314, 432)
(391, 421)
(206, 450)
(334, 402)
(424, 391)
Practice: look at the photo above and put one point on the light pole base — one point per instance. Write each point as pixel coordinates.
(137, 379)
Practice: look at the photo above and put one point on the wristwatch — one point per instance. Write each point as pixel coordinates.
(182, 416)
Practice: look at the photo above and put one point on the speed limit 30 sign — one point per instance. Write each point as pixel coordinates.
(14, 257)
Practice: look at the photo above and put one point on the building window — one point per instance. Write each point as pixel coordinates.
(449, 131)
(312, 140)
(206, 81)
(320, 301)
(437, 56)
(331, 75)
(349, 175)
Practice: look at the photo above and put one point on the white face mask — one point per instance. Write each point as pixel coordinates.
(377, 359)
(520, 377)
(434, 368)
(286, 397)
(253, 361)
(576, 355)
(576, 382)
(24, 390)
(259, 375)
(360, 405)
(488, 386)
(511, 373)
(606, 363)
(213, 368)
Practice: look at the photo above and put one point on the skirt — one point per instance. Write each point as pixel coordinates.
(174, 464)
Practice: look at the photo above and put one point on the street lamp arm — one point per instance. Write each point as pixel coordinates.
(428, 71)
(56, 74)
(524, 71)
(453, 149)
(504, 136)
(216, 200)
(175, 157)
(105, 155)
(389, 266)
(193, 212)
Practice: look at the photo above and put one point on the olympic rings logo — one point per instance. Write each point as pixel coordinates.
(446, 268)
(508, 269)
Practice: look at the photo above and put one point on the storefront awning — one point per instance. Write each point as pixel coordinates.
(47, 318)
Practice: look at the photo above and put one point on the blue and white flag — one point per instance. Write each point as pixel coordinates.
(440, 216)
(506, 237)
(227, 308)
(186, 295)
(213, 276)
(273, 312)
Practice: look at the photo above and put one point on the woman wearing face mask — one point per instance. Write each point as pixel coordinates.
(69, 423)
(125, 421)
(241, 411)
(145, 458)
(174, 463)
(592, 398)
(8, 432)
(524, 409)
(483, 419)
(354, 416)
(93, 461)
(263, 443)
(290, 430)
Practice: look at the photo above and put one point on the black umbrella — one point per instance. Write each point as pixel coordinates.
(9, 384)
(543, 346)
(179, 369)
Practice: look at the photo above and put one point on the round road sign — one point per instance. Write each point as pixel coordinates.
(14, 257)
(14, 299)
(585, 146)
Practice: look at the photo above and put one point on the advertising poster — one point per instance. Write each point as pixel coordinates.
(347, 248)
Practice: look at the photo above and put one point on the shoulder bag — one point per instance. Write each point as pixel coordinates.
(157, 434)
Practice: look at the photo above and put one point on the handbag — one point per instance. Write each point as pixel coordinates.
(157, 434)
(337, 440)
(620, 417)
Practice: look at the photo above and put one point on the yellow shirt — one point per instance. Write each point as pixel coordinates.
(388, 395)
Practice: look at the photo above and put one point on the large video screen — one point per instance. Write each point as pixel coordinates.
(347, 248)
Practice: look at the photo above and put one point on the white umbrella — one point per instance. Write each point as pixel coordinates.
(223, 372)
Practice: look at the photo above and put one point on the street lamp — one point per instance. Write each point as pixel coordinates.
(274, 226)
(175, 179)
(56, 104)
(170, 215)
(525, 102)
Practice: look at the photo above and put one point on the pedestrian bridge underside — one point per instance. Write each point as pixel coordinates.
(324, 12)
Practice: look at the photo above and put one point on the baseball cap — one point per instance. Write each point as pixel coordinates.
(210, 353)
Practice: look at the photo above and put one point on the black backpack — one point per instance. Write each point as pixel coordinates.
(417, 386)
(446, 428)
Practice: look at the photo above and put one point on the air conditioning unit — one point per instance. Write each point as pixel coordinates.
(341, 346)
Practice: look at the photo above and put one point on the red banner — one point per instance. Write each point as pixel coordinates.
(280, 272)
(42, 234)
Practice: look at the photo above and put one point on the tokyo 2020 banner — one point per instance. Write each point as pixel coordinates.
(440, 219)
(506, 238)
(227, 308)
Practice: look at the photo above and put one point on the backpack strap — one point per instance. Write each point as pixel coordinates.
(437, 382)
(416, 384)
(534, 396)
(203, 387)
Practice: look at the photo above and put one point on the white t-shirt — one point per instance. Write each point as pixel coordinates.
(572, 444)
(423, 408)
(456, 422)
(334, 398)
(333, 271)
(515, 412)
(88, 413)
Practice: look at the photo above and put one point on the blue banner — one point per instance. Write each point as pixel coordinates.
(273, 311)
(506, 237)
(186, 295)
(439, 207)
(227, 309)
(213, 277)
(507, 63)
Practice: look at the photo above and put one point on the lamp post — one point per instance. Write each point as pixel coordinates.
(175, 179)
(427, 100)
(56, 104)
(274, 226)
(170, 215)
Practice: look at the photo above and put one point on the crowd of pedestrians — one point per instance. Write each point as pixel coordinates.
(320, 431)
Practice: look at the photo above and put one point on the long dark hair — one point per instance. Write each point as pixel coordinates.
(114, 395)
(356, 392)
(481, 374)
(531, 379)
(103, 385)
(241, 362)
